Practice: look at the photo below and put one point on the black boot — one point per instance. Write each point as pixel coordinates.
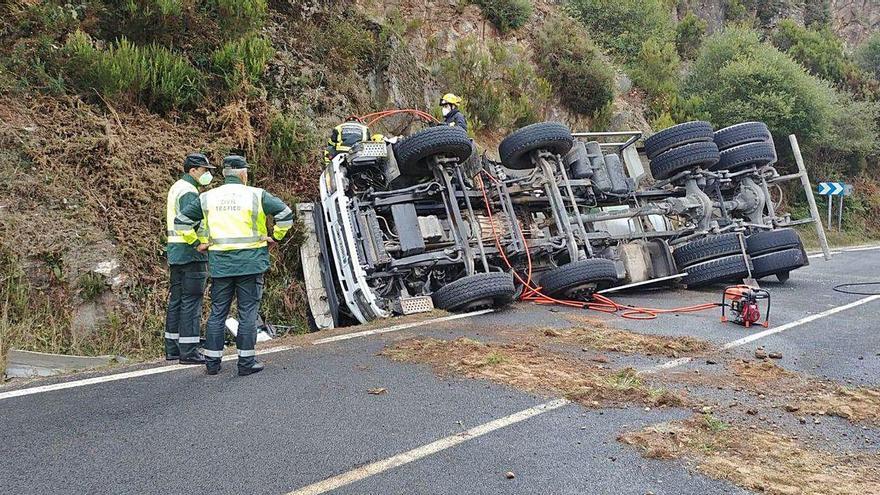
(250, 370)
(212, 368)
(192, 359)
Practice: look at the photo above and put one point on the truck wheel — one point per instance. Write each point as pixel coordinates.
(669, 163)
(707, 248)
(728, 268)
(478, 291)
(554, 137)
(747, 132)
(762, 153)
(570, 280)
(678, 135)
(772, 240)
(779, 263)
(413, 152)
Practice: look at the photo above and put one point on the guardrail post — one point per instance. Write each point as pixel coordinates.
(811, 200)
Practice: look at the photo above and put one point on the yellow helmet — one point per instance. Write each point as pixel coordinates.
(378, 138)
(450, 99)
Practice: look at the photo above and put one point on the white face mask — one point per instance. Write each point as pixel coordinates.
(445, 109)
(206, 178)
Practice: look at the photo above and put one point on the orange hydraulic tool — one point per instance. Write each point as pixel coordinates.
(743, 303)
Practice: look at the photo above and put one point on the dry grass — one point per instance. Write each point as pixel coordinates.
(528, 367)
(597, 335)
(799, 393)
(766, 462)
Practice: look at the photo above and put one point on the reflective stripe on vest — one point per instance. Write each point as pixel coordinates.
(234, 217)
(172, 208)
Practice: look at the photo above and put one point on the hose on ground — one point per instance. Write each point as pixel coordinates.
(850, 289)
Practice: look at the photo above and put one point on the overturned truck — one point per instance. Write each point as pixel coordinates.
(425, 222)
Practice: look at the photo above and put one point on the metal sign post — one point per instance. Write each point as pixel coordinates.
(832, 189)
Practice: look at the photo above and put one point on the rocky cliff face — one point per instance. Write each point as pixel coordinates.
(855, 20)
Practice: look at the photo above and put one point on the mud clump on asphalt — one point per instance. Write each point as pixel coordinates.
(528, 367)
(763, 461)
(597, 335)
(795, 392)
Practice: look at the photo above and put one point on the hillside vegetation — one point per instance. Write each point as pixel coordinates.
(100, 101)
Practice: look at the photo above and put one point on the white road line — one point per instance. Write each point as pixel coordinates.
(869, 247)
(122, 376)
(760, 335)
(175, 367)
(667, 365)
(796, 323)
(402, 326)
(417, 453)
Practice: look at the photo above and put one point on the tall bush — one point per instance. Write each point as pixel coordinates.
(500, 87)
(506, 15)
(689, 34)
(868, 55)
(623, 25)
(152, 74)
(821, 52)
(242, 60)
(739, 78)
(571, 62)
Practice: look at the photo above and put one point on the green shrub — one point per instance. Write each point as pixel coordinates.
(291, 139)
(150, 7)
(735, 10)
(345, 45)
(738, 78)
(569, 60)
(500, 87)
(868, 55)
(656, 70)
(689, 34)
(622, 25)
(242, 60)
(821, 52)
(152, 74)
(506, 15)
(242, 15)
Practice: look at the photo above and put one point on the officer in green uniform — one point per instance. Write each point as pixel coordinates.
(235, 216)
(188, 265)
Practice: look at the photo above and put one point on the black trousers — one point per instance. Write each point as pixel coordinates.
(183, 319)
(247, 290)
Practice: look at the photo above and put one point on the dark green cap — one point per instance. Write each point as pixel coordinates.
(235, 161)
(196, 160)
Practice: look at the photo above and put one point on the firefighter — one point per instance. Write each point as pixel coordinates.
(238, 255)
(188, 266)
(344, 136)
(451, 114)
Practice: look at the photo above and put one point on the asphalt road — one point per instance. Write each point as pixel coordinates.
(309, 417)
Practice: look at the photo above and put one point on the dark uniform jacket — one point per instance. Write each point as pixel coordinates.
(456, 118)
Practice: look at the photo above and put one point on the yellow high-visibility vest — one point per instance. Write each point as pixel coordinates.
(172, 208)
(234, 217)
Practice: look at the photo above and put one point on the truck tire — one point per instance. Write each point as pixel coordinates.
(707, 248)
(412, 152)
(666, 165)
(728, 268)
(762, 153)
(772, 240)
(747, 132)
(478, 291)
(678, 135)
(778, 263)
(566, 280)
(554, 137)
